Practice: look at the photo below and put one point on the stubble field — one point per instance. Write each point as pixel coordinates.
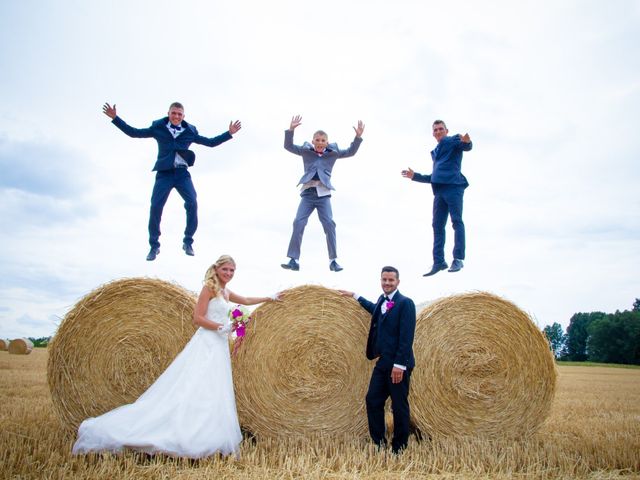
(593, 431)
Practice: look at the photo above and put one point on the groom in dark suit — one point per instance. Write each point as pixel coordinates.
(174, 136)
(390, 341)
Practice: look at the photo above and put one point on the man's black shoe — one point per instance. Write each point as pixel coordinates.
(436, 268)
(153, 253)
(292, 265)
(456, 265)
(188, 249)
(334, 267)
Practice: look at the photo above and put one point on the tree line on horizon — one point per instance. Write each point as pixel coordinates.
(598, 337)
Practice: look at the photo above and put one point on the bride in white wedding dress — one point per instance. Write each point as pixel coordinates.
(190, 410)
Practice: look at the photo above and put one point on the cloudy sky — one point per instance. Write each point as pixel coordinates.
(549, 92)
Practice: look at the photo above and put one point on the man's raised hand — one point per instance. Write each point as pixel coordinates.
(109, 111)
(465, 138)
(234, 127)
(295, 121)
(359, 129)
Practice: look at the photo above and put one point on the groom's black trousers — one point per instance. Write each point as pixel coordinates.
(380, 388)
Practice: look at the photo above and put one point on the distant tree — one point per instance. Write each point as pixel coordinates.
(636, 305)
(40, 342)
(556, 338)
(577, 335)
(615, 338)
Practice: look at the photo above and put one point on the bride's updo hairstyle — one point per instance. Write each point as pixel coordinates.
(211, 279)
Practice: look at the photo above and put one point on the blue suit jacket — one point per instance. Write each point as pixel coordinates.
(169, 146)
(320, 164)
(447, 162)
(391, 335)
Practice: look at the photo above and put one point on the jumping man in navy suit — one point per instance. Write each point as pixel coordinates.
(174, 136)
(448, 185)
(318, 157)
(390, 341)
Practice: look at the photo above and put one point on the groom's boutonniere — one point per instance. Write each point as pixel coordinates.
(389, 305)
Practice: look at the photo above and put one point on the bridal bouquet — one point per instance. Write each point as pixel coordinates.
(239, 316)
(239, 319)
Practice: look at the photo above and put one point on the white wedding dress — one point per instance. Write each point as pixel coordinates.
(190, 410)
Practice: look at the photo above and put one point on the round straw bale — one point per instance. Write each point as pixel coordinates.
(482, 369)
(114, 343)
(301, 369)
(4, 344)
(20, 346)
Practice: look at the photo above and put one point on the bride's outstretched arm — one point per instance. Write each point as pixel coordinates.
(200, 311)
(234, 297)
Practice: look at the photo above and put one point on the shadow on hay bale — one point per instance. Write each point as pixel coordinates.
(482, 369)
(301, 370)
(114, 343)
(20, 346)
(4, 344)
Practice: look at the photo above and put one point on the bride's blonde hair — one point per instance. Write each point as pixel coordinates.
(211, 279)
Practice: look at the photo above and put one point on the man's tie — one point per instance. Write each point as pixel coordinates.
(177, 128)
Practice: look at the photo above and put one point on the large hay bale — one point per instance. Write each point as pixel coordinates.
(482, 369)
(20, 346)
(301, 369)
(114, 343)
(4, 344)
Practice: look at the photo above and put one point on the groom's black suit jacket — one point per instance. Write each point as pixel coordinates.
(391, 335)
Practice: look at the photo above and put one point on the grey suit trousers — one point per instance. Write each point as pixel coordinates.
(310, 201)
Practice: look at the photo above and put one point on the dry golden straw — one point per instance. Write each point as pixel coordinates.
(482, 369)
(4, 344)
(302, 370)
(20, 346)
(114, 343)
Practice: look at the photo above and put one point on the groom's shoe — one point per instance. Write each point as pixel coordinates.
(291, 265)
(153, 253)
(456, 265)
(188, 249)
(436, 268)
(334, 267)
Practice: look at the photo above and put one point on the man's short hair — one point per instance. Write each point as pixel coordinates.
(176, 105)
(390, 269)
(439, 122)
(321, 132)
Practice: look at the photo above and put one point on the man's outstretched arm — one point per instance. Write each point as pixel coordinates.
(415, 176)
(111, 112)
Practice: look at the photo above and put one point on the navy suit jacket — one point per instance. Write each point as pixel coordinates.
(169, 146)
(447, 162)
(319, 164)
(391, 335)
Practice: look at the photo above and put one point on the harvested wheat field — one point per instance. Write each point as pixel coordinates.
(593, 431)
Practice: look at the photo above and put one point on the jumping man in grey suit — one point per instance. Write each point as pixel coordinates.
(318, 157)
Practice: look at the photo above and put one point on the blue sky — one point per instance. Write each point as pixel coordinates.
(549, 92)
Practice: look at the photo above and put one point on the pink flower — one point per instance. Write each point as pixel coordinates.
(236, 313)
(240, 331)
(389, 305)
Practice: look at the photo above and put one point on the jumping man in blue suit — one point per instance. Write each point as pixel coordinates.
(390, 341)
(174, 136)
(448, 185)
